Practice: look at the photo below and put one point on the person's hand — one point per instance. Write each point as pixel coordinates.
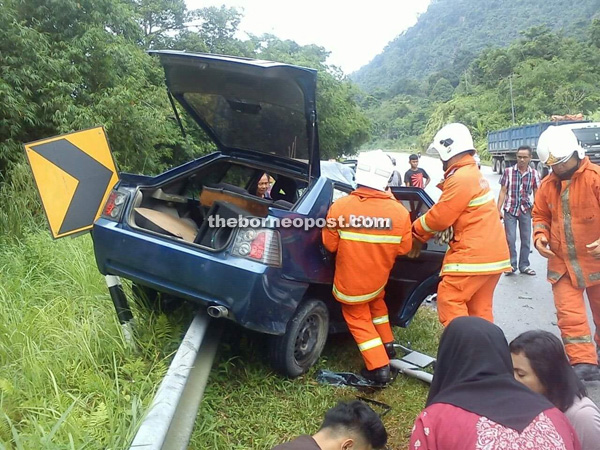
(542, 246)
(415, 251)
(501, 214)
(594, 249)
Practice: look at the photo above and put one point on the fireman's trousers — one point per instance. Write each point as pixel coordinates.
(573, 321)
(370, 326)
(466, 295)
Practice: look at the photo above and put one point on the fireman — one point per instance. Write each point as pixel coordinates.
(467, 219)
(566, 226)
(368, 229)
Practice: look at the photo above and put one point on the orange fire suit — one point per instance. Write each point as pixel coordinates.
(478, 252)
(567, 213)
(365, 257)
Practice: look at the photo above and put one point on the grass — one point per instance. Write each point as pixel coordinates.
(68, 379)
(247, 406)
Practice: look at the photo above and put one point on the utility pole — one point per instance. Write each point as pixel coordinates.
(512, 103)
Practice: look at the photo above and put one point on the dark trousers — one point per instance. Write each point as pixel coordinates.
(510, 226)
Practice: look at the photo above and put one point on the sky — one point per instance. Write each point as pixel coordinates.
(354, 31)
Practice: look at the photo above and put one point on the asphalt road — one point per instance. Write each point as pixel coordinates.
(521, 302)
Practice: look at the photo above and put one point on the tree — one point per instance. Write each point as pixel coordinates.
(595, 33)
(218, 28)
(442, 91)
(158, 18)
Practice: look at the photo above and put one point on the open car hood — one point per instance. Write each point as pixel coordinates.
(248, 104)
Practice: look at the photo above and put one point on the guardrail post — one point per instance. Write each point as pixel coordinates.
(117, 294)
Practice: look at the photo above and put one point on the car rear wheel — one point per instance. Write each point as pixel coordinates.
(300, 347)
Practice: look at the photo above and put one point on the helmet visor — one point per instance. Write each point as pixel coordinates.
(552, 160)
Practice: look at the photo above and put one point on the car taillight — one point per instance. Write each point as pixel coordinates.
(258, 244)
(114, 205)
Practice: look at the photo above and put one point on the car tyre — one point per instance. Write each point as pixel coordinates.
(295, 352)
(495, 167)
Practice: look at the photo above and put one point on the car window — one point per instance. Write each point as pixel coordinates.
(215, 174)
(241, 122)
(238, 176)
(416, 208)
(415, 200)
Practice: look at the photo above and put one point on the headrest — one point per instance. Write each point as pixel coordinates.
(285, 189)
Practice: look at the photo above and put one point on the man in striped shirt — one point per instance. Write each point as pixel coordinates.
(519, 184)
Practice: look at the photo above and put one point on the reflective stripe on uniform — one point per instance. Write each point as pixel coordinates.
(482, 200)
(594, 276)
(570, 238)
(381, 319)
(474, 267)
(541, 226)
(578, 340)
(368, 345)
(554, 276)
(371, 238)
(424, 224)
(356, 298)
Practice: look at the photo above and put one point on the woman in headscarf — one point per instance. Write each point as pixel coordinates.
(476, 403)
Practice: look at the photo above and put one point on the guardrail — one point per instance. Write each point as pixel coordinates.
(170, 420)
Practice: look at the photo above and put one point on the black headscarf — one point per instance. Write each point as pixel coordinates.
(474, 371)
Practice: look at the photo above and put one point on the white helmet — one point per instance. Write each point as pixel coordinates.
(451, 140)
(557, 143)
(374, 169)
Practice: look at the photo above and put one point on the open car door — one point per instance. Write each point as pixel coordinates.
(412, 280)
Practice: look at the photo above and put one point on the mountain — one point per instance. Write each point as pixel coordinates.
(452, 32)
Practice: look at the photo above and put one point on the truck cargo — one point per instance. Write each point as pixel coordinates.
(503, 144)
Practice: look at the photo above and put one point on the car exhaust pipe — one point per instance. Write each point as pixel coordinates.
(217, 311)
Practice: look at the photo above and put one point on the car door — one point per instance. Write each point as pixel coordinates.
(412, 280)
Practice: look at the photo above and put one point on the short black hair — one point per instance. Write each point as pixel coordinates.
(413, 157)
(525, 147)
(546, 355)
(357, 416)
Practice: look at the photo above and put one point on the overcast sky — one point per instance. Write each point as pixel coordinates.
(353, 31)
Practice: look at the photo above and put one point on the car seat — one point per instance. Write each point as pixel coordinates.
(285, 189)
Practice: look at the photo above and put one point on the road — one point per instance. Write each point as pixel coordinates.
(521, 302)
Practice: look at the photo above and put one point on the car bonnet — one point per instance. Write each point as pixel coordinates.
(247, 104)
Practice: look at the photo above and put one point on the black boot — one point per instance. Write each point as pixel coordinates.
(390, 350)
(381, 375)
(587, 372)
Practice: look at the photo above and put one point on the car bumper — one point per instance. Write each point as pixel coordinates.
(257, 296)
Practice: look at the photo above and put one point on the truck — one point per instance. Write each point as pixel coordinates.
(503, 144)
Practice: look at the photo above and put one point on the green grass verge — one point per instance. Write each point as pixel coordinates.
(69, 380)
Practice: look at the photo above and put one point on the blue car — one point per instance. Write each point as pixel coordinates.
(205, 232)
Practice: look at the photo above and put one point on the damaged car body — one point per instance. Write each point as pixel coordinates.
(200, 232)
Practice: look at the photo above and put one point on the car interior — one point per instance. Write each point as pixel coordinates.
(224, 189)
